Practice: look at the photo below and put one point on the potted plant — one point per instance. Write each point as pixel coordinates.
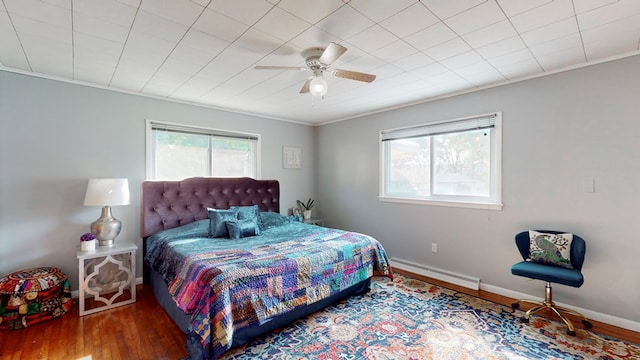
(306, 208)
(87, 242)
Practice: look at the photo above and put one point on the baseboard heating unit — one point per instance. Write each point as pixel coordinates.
(435, 273)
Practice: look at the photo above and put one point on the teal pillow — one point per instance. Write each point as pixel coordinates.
(269, 219)
(217, 219)
(249, 213)
(242, 228)
(550, 249)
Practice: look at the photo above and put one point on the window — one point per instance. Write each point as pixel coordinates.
(176, 152)
(451, 163)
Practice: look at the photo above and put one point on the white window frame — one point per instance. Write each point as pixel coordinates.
(492, 202)
(150, 151)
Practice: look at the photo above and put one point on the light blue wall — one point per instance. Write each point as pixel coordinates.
(558, 130)
(54, 136)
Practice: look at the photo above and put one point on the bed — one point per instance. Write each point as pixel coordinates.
(228, 267)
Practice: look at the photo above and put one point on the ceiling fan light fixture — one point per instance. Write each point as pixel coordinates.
(318, 86)
(318, 61)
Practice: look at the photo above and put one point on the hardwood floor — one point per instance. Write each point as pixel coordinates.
(138, 331)
(144, 331)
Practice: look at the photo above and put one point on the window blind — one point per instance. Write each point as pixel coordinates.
(200, 131)
(475, 123)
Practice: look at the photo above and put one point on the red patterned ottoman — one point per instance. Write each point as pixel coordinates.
(31, 296)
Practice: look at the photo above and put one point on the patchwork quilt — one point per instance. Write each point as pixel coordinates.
(227, 285)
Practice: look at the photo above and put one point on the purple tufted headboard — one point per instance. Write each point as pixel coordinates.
(168, 204)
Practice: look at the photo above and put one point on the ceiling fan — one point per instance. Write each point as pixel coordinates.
(318, 61)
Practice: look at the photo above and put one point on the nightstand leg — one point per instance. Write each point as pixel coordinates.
(81, 286)
(132, 279)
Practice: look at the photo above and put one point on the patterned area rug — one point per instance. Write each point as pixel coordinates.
(410, 319)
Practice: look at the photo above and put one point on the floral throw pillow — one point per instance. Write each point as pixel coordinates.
(550, 249)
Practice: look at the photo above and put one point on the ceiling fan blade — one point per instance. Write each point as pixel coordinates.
(332, 53)
(297, 68)
(353, 75)
(305, 87)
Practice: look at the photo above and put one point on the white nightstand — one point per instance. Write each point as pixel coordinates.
(318, 222)
(107, 277)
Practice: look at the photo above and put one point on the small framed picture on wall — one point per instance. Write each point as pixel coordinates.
(291, 157)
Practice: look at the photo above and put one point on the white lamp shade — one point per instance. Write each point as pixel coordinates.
(318, 86)
(107, 192)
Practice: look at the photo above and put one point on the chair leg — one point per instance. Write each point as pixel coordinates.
(585, 321)
(548, 304)
(570, 329)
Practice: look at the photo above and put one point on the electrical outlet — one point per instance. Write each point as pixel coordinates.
(434, 247)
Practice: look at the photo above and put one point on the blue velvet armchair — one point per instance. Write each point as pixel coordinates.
(551, 274)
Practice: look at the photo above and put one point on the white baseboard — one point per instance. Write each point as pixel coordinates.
(435, 273)
(75, 293)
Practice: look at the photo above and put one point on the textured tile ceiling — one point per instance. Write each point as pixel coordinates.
(204, 52)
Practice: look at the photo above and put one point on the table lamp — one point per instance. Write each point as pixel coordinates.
(106, 193)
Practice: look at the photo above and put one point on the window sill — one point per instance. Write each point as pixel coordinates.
(446, 203)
